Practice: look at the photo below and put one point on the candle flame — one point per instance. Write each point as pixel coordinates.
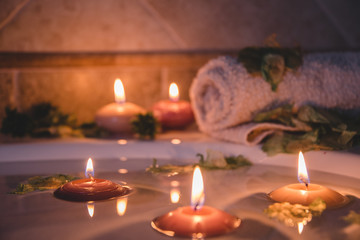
(89, 172)
(175, 195)
(119, 91)
(91, 208)
(174, 92)
(303, 175)
(121, 205)
(197, 192)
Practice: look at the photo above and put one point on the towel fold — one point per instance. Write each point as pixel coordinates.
(225, 97)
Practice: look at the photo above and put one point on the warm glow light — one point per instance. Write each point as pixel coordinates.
(119, 91)
(121, 204)
(123, 171)
(300, 227)
(197, 192)
(175, 195)
(89, 172)
(173, 92)
(174, 183)
(303, 175)
(91, 208)
(175, 141)
(122, 141)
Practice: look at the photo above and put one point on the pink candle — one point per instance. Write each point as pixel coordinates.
(90, 189)
(305, 193)
(196, 221)
(116, 117)
(173, 113)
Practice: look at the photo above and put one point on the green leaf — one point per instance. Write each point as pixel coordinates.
(270, 62)
(292, 214)
(353, 218)
(145, 125)
(42, 183)
(278, 115)
(210, 163)
(325, 129)
(16, 124)
(273, 69)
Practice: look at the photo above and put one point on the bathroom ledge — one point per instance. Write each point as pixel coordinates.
(12, 60)
(162, 149)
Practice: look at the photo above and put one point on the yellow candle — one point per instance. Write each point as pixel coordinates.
(116, 117)
(305, 193)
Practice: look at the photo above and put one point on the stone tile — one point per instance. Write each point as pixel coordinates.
(6, 92)
(83, 91)
(177, 25)
(67, 25)
(346, 18)
(212, 24)
(7, 6)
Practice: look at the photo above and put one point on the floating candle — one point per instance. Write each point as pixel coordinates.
(116, 117)
(90, 189)
(196, 221)
(305, 193)
(173, 113)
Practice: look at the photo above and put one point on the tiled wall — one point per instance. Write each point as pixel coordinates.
(69, 52)
(82, 83)
(175, 25)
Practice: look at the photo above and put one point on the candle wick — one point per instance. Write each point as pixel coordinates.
(196, 206)
(306, 185)
(91, 177)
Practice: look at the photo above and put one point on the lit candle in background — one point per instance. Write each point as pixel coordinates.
(173, 113)
(116, 117)
(174, 92)
(90, 188)
(305, 193)
(196, 221)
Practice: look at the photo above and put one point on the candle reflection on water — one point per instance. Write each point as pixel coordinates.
(121, 205)
(91, 208)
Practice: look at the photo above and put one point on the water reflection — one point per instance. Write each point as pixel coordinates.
(175, 141)
(123, 171)
(175, 195)
(122, 141)
(91, 208)
(121, 205)
(174, 192)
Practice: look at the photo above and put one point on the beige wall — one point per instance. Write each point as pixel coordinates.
(82, 83)
(69, 52)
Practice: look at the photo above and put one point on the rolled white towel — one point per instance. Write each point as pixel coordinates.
(225, 97)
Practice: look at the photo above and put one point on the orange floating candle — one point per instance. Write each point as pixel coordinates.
(116, 117)
(90, 189)
(305, 193)
(196, 221)
(173, 113)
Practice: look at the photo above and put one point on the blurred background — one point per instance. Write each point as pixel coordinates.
(69, 52)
